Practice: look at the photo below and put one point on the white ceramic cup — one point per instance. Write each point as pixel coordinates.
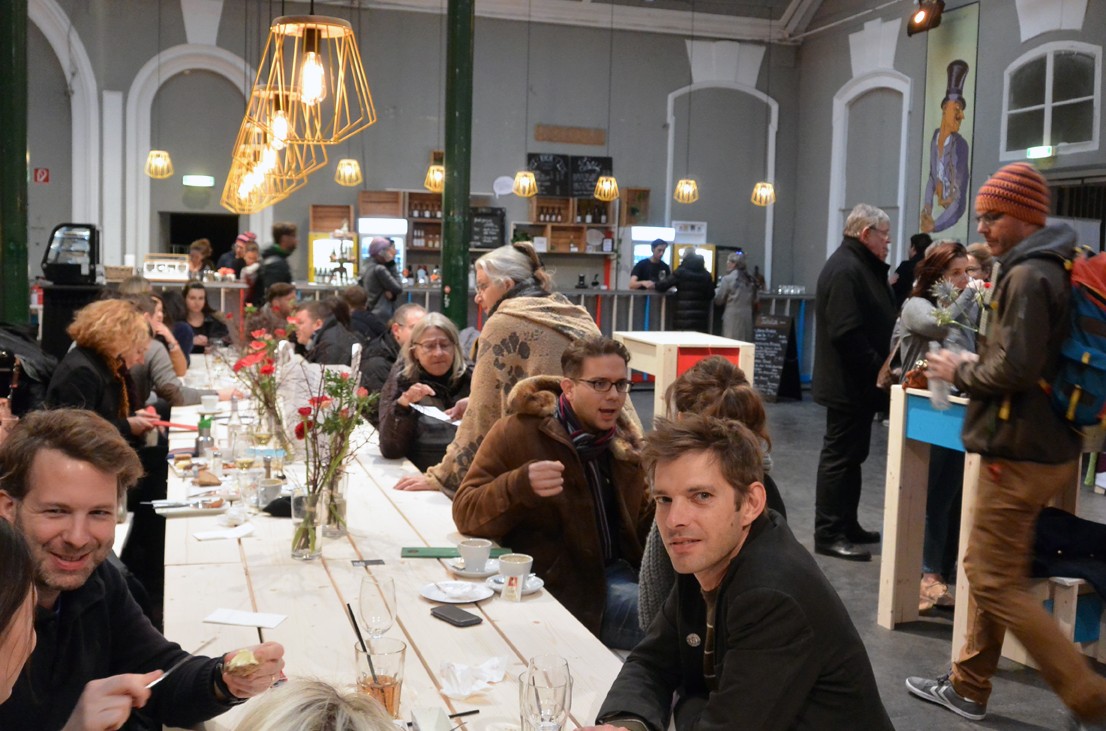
(209, 403)
(475, 553)
(514, 568)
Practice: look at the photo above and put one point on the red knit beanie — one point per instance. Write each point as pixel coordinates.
(1017, 190)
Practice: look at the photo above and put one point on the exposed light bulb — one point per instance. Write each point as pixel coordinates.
(312, 79)
(268, 161)
(919, 16)
(279, 126)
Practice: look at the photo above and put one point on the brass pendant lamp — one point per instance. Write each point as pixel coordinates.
(606, 187)
(158, 163)
(526, 185)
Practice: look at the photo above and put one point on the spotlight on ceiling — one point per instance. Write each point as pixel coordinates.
(926, 16)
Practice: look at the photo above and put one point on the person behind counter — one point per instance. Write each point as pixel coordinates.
(433, 374)
(199, 258)
(526, 332)
(208, 328)
(694, 293)
(382, 281)
(647, 272)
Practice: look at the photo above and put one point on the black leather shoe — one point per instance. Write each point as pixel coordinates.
(859, 535)
(843, 548)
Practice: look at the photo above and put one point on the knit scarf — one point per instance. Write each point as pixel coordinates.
(591, 448)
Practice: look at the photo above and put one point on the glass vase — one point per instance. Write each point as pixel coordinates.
(334, 521)
(305, 519)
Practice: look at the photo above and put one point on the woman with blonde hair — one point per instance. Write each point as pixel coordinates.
(312, 705)
(109, 337)
(528, 328)
(433, 374)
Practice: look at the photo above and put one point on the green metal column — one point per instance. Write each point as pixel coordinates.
(13, 161)
(457, 226)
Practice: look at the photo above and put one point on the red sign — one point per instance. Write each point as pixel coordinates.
(42, 175)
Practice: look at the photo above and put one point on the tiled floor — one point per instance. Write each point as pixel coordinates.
(1020, 699)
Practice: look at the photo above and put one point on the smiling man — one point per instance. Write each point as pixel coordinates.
(561, 480)
(753, 636)
(62, 474)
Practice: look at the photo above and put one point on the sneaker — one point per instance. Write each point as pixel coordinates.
(941, 692)
(935, 593)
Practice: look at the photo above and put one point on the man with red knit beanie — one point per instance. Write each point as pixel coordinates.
(1029, 453)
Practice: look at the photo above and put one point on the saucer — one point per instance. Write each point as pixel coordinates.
(213, 412)
(457, 566)
(533, 583)
(455, 592)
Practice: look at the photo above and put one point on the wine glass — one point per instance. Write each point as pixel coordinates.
(546, 692)
(378, 604)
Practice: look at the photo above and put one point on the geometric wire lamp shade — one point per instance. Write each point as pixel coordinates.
(158, 164)
(435, 178)
(525, 185)
(348, 173)
(687, 191)
(764, 194)
(312, 69)
(606, 188)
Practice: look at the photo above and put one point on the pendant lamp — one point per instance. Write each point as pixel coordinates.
(687, 191)
(606, 188)
(435, 178)
(348, 173)
(525, 185)
(158, 164)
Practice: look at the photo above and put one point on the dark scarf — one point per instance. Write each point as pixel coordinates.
(526, 288)
(593, 449)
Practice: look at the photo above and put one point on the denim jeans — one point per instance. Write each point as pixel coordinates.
(946, 482)
(620, 629)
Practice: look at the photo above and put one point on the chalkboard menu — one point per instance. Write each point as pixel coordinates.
(488, 226)
(552, 173)
(586, 172)
(776, 365)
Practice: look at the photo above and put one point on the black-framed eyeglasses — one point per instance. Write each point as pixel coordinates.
(435, 345)
(602, 385)
(989, 219)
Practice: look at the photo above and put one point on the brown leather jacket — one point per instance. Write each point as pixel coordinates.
(495, 500)
(1009, 415)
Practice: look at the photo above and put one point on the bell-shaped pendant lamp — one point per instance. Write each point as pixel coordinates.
(764, 194)
(606, 188)
(158, 164)
(348, 173)
(526, 185)
(435, 178)
(313, 73)
(687, 191)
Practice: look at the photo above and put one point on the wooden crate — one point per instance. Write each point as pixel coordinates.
(380, 203)
(327, 218)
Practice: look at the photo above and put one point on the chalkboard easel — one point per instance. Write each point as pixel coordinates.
(776, 364)
(488, 226)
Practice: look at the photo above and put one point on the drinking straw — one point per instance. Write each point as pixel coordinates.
(361, 639)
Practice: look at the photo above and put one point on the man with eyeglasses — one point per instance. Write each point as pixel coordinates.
(561, 479)
(1029, 452)
(855, 311)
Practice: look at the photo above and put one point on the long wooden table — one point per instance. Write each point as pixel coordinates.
(257, 573)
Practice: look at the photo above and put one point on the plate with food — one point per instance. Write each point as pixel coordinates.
(455, 592)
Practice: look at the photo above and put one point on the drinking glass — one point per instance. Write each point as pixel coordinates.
(378, 604)
(546, 693)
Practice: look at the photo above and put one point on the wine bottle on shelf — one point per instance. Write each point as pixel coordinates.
(603, 214)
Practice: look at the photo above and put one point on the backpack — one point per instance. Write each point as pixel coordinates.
(1078, 391)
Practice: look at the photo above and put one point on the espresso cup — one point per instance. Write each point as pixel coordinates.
(475, 553)
(515, 569)
(209, 403)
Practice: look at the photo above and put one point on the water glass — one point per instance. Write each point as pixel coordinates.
(546, 693)
(383, 679)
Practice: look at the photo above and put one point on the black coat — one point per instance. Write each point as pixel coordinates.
(84, 380)
(787, 656)
(99, 631)
(274, 268)
(366, 324)
(694, 294)
(333, 343)
(855, 313)
(377, 361)
(404, 432)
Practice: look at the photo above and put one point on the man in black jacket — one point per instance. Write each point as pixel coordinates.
(753, 636)
(62, 474)
(694, 293)
(321, 330)
(274, 260)
(855, 311)
(382, 352)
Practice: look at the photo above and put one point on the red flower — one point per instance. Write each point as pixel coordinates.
(257, 345)
(986, 285)
(258, 334)
(280, 332)
(362, 392)
(300, 430)
(238, 366)
(319, 400)
(305, 411)
(345, 376)
(267, 369)
(291, 320)
(230, 315)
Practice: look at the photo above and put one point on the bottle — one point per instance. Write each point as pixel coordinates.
(472, 277)
(588, 215)
(603, 215)
(938, 389)
(205, 443)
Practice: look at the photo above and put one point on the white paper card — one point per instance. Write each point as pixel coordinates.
(212, 535)
(245, 619)
(435, 413)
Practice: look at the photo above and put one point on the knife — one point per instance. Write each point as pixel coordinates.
(178, 663)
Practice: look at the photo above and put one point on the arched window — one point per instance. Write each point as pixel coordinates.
(1052, 96)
